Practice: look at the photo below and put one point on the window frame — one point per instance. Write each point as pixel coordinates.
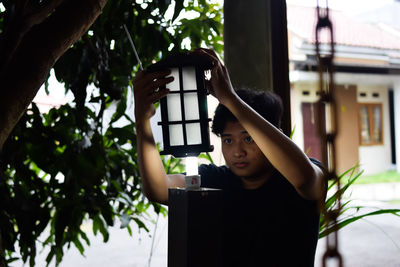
(370, 109)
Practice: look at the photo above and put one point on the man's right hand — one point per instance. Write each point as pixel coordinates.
(155, 182)
(145, 92)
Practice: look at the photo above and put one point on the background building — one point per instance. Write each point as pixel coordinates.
(367, 63)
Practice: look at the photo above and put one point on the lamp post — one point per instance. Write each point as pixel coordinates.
(195, 222)
(184, 115)
(184, 112)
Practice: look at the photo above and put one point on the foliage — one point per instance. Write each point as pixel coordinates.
(347, 214)
(73, 164)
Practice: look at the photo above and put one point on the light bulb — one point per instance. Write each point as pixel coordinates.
(192, 166)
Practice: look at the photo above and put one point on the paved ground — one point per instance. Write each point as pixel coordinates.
(371, 242)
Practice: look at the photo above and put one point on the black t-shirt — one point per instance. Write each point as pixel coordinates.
(269, 226)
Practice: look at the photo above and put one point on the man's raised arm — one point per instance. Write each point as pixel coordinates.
(155, 181)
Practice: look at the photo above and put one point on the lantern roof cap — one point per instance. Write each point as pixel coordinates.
(181, 60)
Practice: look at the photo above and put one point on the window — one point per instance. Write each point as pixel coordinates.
(371, 124)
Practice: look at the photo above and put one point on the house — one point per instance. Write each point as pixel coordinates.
(367, 64)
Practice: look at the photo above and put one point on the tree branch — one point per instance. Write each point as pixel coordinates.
(26, 16)
(2, 257)
(39, 49)
(34, 15)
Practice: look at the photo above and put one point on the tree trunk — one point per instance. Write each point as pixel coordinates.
(2, 256)
(36, 53)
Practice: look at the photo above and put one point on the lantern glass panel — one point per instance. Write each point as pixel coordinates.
(193, 132)
(174, 85)
(176, 135)
(189, 78)
(191, 106)
(174, 107)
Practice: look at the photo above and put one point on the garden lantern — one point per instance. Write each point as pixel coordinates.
(184, 113)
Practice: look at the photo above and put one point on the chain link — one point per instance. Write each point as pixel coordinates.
(327, 120)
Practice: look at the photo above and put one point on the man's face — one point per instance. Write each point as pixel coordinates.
(242, 154)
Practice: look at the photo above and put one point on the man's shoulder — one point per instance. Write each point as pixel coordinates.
(318, 163)
(213, 168)
(215, 176)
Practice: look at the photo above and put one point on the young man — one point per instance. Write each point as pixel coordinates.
(271, 188)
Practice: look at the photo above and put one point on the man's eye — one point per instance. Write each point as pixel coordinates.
(248, 139)
(228, 141)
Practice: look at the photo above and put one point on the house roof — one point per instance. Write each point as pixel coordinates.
(387, 14)
(347, 30)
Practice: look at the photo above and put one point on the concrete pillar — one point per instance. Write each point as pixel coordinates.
(256, 50)
(248, 43)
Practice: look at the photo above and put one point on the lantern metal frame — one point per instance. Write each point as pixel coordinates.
(179, 62)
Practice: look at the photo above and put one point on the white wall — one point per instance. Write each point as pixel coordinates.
(373, 159)
(377, 158)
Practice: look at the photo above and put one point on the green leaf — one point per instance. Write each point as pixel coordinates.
(98, 225)
(10, 260)
(84, 237)
(207, 156)
(50, 255)
(79, 246)
(121, 108)
(352, 219)
(129, 230)
(125, 219)
(140, 224)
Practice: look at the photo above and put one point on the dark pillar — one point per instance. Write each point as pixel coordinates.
(194, 227)
(247, 43)
(256, 49)
(280, 58)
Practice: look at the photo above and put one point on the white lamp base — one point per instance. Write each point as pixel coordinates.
(193, 182)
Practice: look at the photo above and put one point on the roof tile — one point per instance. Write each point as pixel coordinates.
(347, 30)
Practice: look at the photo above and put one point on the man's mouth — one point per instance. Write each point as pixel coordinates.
(240, 164)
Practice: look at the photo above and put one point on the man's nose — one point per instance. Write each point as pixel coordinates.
(239, 151)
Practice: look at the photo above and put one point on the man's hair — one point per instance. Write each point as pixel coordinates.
(265, 103)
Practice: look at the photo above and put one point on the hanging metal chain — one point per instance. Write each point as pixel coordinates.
(327, 119)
